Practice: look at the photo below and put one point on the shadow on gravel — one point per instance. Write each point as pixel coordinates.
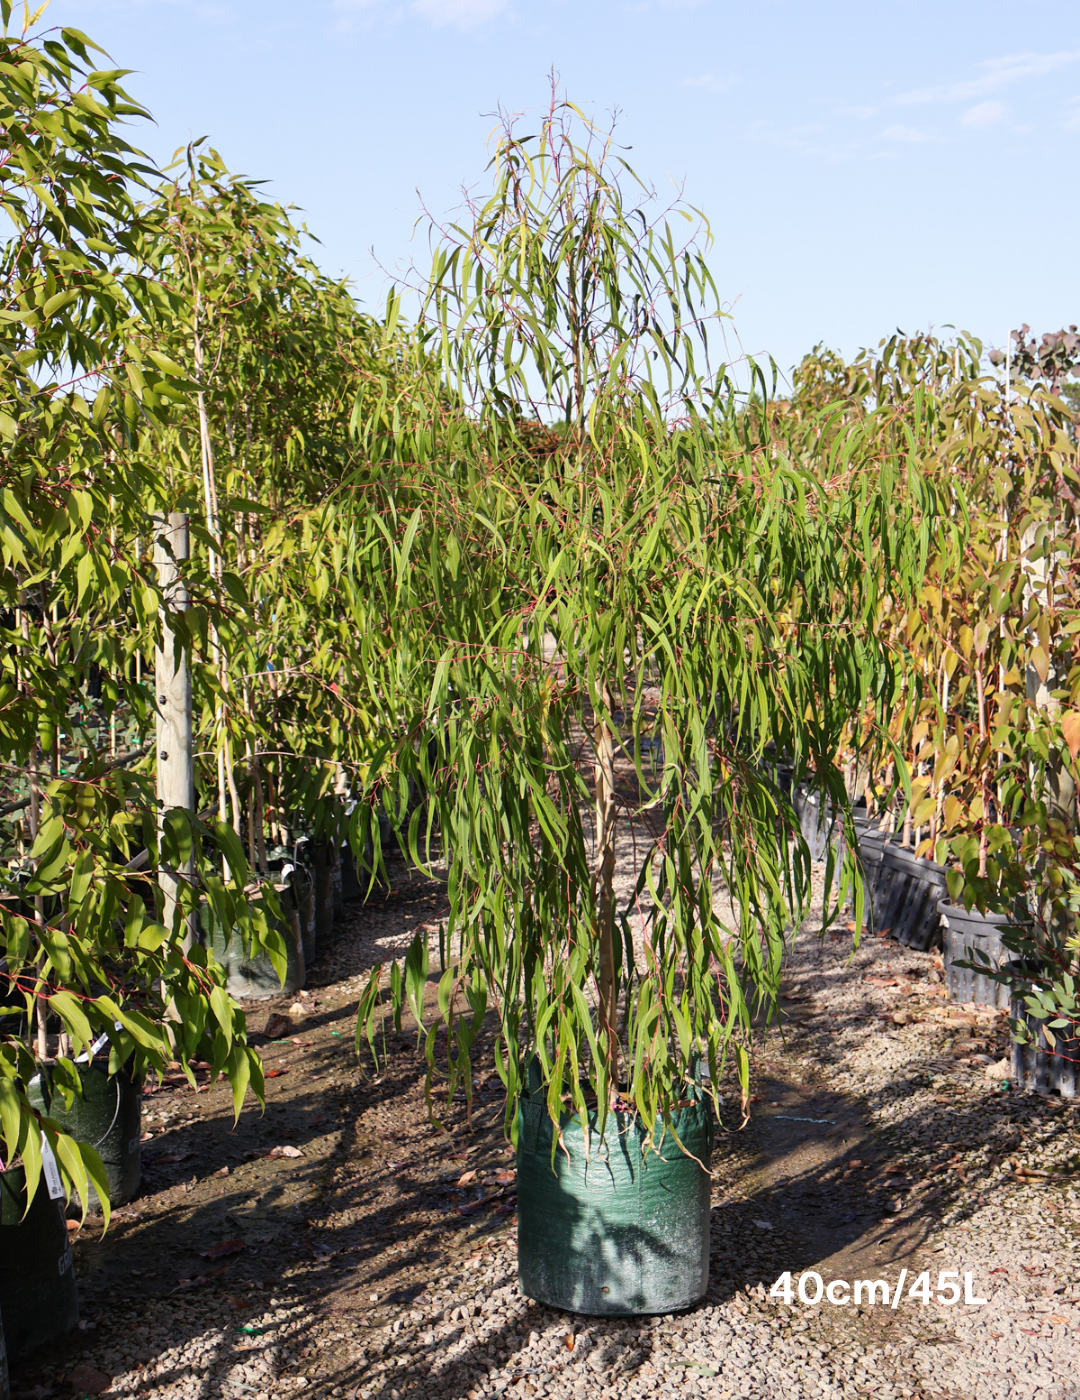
(373, 1206)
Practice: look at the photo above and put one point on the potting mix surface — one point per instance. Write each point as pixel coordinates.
(341, 1245)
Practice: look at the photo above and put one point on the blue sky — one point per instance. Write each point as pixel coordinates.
(865, 166)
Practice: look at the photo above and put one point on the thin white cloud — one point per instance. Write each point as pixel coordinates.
(908, 134)
(710, 83)
(984, 114)
(996, 74)
(440, 14)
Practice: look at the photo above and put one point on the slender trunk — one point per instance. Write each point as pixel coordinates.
(259, 821)
(230, 775)
(938, 819)
(210, 503)
(172, 682)
(980, 691)
(604, 775)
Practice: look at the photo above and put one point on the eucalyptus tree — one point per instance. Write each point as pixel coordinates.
(83, 388)
(578, 559)
(282, 357)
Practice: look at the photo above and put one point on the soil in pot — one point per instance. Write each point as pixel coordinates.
(1037, 1066)
(255, 978)
(967, 930)
(613, 1231)
(38, 1299)
(108, 1117)
(915, 889)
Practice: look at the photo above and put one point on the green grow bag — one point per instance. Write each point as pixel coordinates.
(619, 1232)
(255, 978)
(38, 1299)
(108, 1117)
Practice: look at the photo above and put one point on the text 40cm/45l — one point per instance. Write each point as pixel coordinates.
(812, 1289)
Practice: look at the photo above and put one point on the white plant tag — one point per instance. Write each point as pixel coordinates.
(51, 1170)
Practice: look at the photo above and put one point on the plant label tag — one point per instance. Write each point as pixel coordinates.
(51, 1170)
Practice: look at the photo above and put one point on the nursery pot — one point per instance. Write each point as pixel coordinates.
(302, 886)
(1035, 1065)
(108, 1117)
(38, 1299)
(293, 872)
(615, 1230)
(915, 887)
(351, 888)
(966, 930)
(337, 889)
(816, 820)
(255, 978)
(324, 891)
(5, 1380)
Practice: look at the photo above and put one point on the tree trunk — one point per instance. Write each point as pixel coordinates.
(604, 774)
(172, 683)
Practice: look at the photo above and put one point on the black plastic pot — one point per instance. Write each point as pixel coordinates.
(966, 931)
(5, 1379)
(351, 889)
(613, 1231)
(1034, 1064)
(108, 1117)
(336, 881)
(296, 875)
(255, 978)
(302, 895)
(38, 1299)
(817, 821)
(324, 891)
(871, 848)
(912, 889)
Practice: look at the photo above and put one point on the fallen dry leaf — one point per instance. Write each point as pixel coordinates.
(1057, 1321)
(168, 1160)
(278, 1026)
(219, 1251)
(284, 1152)
(89, 1381)
(275, 1073)
(569, 1341)
(466, 1178)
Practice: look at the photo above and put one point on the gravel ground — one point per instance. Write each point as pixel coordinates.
(376, 1258)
